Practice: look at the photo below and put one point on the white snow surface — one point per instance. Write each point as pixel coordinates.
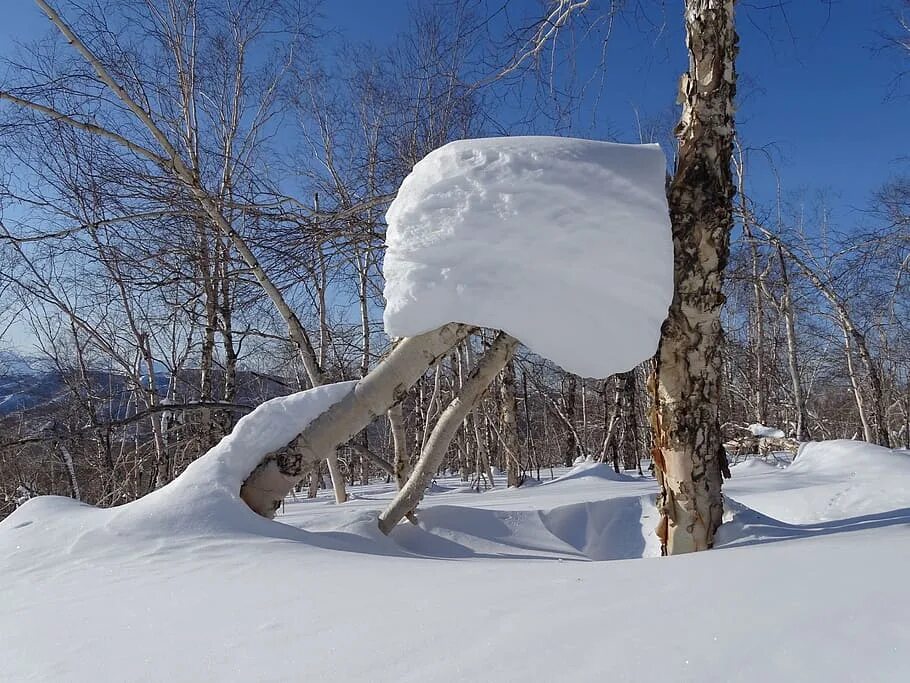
(561, 242)
(765, 432)
(506, 585)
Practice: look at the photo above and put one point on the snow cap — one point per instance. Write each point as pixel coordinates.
(561, 242)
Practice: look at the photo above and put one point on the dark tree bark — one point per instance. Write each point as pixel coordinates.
(689, 455)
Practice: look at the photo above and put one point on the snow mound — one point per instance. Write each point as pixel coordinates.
(829, 481)
(766, 432)
(845, 457)
(753, 466)
(563, 243)
(204, 499)
(595, 470)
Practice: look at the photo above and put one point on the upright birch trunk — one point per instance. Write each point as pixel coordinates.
(786, 309)
(401, 463)
(879, 433)
(629, 422)
(483, 454)
(689, 455)
(572, 442)
(363, 265)
(509, 425)
(868, 434)
(758, 330)
(207, 353)
(611, 421)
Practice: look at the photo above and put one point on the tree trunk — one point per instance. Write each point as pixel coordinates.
(483, 455)
(689, 456)
(451, 419)
(386, 385)
(572, 437)
(880, 434)
(786, 309)
(207, 359)
(628, 422)
(509, 422)
(399, 445)
(868, 434)
(611, 421)
(758, 330)
(363, 265)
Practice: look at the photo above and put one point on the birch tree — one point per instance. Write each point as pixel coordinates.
(689, 456)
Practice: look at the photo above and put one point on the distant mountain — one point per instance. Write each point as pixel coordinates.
(16, 364)
(34, 384)
(26, 382)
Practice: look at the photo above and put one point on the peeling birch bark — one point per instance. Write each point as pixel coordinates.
(689, 455)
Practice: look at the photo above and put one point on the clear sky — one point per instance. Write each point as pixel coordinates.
(812, 84)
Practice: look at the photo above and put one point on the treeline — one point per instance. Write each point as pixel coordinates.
(209, 234)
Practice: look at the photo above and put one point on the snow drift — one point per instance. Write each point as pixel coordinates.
(485, 574)
(203, 501)
(562, 243)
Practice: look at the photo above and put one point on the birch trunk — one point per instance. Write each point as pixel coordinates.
(386, 385)
(879, 434)
(400, 445)
(761, 409)
(363, 267)
(70, 471)
(509, 422)
(688, 454)
(628, 422)
(206, 362)
(868, 434)
(572, 441)
(786, 309)
(611, 421)
(492, 362)
(483, 455)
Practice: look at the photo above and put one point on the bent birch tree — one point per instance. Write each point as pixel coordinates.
(451, 419)
(265, 488)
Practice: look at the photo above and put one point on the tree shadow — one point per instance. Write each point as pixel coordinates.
(750, 527)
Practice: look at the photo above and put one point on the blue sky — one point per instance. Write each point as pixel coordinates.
(813, 85)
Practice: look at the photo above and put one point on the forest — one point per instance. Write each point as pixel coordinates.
(430, 340)
(158, 326)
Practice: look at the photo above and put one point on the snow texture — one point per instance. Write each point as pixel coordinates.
(764, 432)
(562, 243)
(805, 585)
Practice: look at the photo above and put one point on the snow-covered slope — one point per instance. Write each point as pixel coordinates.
(495, 586)
(829, 480)
(550, 239)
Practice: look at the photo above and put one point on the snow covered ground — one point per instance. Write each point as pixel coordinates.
(809, 584)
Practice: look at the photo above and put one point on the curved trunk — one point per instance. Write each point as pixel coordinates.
(492, 362)
(383, 387)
